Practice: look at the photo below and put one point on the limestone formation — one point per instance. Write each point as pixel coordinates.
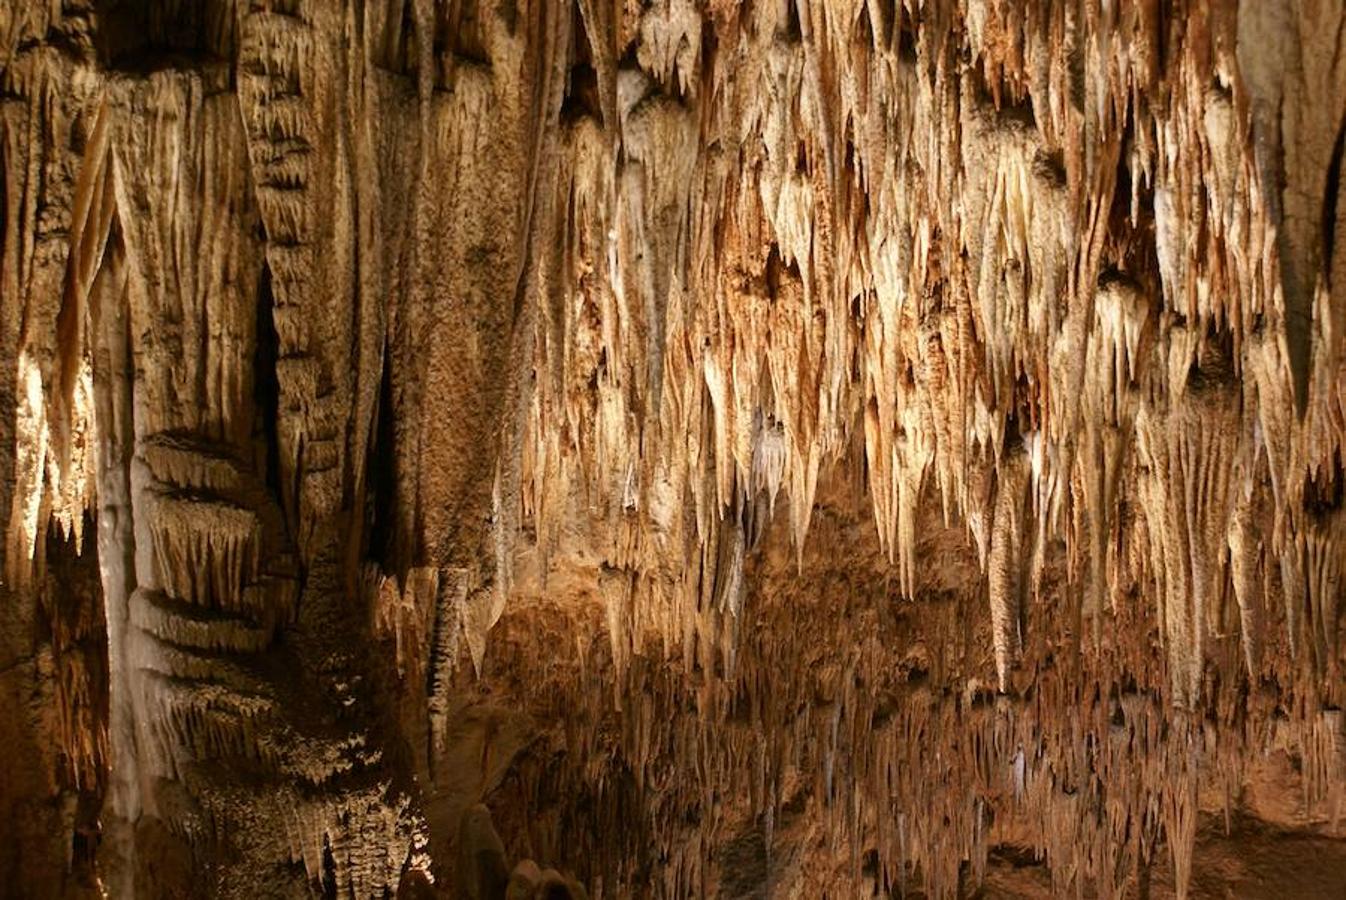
(672, 448)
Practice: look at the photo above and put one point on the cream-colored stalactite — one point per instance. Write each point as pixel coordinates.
(1034, 265)
(1006, 562)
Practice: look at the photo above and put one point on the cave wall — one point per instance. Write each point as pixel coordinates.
(749, 447)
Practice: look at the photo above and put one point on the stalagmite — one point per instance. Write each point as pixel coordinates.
(561, 448)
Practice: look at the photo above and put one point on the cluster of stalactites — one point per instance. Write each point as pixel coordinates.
(981, 243)
(907, 751)
(984, 245)
(1028, 255)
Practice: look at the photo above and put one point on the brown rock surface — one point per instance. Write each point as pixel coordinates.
(538, 448)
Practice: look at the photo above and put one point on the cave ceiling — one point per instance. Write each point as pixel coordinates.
(656, 448)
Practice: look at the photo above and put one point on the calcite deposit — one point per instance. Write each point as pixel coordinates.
(672, 448)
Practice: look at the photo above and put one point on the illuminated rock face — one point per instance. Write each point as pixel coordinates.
(458, 447)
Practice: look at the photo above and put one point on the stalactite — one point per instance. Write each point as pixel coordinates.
(810, 445)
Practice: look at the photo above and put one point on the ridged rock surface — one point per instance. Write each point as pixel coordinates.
(657, 448)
